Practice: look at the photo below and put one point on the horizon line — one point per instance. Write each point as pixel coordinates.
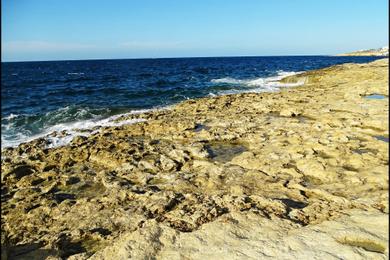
(181, 57)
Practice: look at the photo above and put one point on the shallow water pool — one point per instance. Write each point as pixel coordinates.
(224, 152)
(375, 96)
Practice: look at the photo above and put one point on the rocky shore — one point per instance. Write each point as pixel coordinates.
(296, 174)
(384, 51)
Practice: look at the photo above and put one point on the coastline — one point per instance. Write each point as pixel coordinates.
(381, 52)
(231, 173)
(375, 54)
(62, 133)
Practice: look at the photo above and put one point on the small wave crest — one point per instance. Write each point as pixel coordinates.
(75, 73)
(74, 129)
(256, 85)
(68, 121)
(229, 80)
(11, 116)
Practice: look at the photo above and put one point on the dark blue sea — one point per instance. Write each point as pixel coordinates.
(41, 97)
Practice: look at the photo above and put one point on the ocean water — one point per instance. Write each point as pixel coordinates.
(39, 98)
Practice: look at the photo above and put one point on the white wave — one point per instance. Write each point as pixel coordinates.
(76, 129)
(16, 139)
(141, 111)
(73, 129)
(258, 81)
(11, 116)
(229, 80)
(75, 73)
(266, 84)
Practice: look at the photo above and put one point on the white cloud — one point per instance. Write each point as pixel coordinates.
(148, 45)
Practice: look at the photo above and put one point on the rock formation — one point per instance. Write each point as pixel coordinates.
(384, 51)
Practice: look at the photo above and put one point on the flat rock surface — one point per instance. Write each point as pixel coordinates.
(295, 174)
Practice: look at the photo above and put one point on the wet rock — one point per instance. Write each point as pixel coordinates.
(69, 180)
(18, 172)
(78, 140)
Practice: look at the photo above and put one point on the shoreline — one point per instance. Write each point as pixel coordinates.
(62, 133)
(231, 174)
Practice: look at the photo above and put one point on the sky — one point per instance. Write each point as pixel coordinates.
(115, 29)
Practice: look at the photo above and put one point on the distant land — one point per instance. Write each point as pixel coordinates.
(384, 51)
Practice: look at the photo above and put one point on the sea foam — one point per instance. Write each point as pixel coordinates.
(256, 85)
(71, 130)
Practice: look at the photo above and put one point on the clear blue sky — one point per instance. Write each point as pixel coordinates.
(92, 29)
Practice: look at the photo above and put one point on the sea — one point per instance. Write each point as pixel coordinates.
(41, 98)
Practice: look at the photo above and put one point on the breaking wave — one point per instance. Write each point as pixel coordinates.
(60, 126)
(255, 85)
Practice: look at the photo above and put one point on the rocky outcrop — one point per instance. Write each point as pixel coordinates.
(301, 173)
(384, 51)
